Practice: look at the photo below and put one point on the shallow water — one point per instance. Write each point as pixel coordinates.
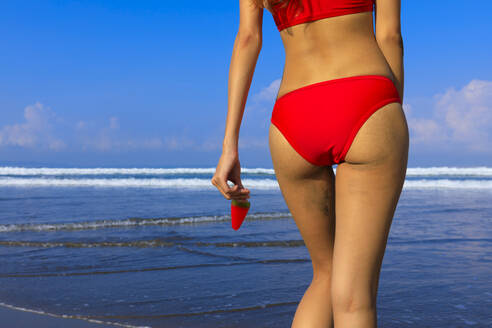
(155, 248)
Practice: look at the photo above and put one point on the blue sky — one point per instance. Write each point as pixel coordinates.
(144, 83)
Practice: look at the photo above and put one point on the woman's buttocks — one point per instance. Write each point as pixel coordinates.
(331, 48)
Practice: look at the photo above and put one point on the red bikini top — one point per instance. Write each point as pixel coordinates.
(312, 10)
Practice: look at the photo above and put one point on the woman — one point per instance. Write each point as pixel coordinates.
(339, 102)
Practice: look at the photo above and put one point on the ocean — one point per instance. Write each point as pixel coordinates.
(154, 247)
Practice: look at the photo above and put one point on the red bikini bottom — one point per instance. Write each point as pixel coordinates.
(320, 120)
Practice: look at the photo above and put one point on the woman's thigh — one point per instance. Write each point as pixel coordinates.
(368, 187)
(308, 191)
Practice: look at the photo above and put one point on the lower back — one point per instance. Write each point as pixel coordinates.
(330, 48)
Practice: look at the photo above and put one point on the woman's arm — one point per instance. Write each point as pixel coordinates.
(246, 50)
(389, 39)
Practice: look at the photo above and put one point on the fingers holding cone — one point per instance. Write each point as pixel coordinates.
(239, 195)
(235, 192)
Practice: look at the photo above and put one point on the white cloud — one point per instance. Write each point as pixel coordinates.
(108, 139)
(178, 143)
(253, 142)
(260, 107)
(211, 143)
(459, 118)
(245, 142)
(407, 108)
(41, 123)
(269, 93)
(35, 132)
(468, 114)
(263, 100)
(424, 130)
(42, 128)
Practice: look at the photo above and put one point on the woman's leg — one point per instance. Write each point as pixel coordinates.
(308, 191)
(368, 187)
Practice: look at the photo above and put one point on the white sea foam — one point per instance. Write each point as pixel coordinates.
(205, 184)
(10, 170)
(72, 316)
(100, 224)
(194, 183)
(448, 184)
(479, 171)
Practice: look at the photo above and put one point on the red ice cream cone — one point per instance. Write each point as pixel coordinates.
(239, 209)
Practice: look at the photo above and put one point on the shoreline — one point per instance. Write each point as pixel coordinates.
(13, 316)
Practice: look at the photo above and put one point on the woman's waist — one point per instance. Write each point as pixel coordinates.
(369, 86)
(298, 74)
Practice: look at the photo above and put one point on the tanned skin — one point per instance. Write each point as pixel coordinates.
(345, 226)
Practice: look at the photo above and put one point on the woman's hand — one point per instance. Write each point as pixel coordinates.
(229, 169)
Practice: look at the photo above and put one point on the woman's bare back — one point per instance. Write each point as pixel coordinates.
(331, 48)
